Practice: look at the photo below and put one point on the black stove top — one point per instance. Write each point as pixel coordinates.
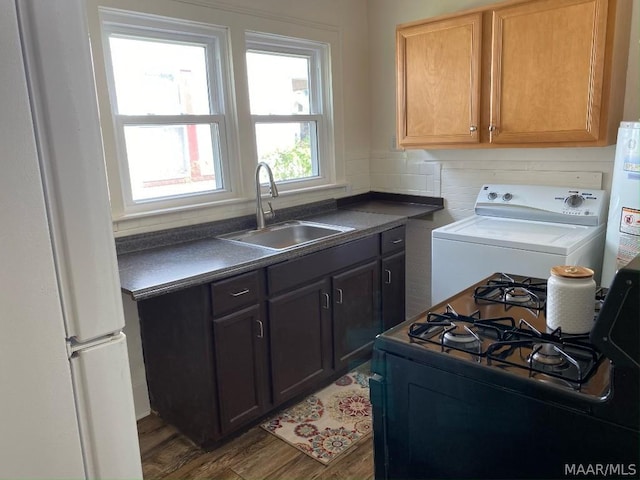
(500, 323)
(569, 359)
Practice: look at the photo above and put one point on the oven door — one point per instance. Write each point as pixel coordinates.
(440, 424)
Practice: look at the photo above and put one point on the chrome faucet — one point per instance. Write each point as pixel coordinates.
(261, 215)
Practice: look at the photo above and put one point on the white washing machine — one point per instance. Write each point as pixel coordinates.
(519, 229)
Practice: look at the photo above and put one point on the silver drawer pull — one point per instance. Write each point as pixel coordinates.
(261, 334)
(339, 300)
(399, 240)
(240, 293)
(388, 280)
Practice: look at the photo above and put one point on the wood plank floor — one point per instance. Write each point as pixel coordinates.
(254, 455)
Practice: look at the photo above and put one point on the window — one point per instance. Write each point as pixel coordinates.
(167, 98)
(289, 107)
(176, 141)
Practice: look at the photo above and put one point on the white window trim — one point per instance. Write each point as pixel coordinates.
(216, 38)
(241, 146)
(320, 100)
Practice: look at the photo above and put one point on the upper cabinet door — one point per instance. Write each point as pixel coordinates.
(541, 73)
(438, 81)
(547, 69)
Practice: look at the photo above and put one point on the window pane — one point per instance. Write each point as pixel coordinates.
(278, 84)
(159, 78)
(287, 148)
(169, 160)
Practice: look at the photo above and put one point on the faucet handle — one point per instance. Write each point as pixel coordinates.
(270, 214)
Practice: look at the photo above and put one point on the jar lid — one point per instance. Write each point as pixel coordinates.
(571, 271)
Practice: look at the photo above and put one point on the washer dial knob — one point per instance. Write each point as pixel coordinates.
(492, 196)
(574, 201)
(507, 196)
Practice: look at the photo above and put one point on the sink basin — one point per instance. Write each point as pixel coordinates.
(287, 235)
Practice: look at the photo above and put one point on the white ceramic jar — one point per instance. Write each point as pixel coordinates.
(570, 299)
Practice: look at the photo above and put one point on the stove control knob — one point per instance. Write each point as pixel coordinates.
(492, 196)
(506, 197)
(574, 201)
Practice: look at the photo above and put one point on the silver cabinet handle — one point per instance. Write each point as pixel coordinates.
(396, 241)
(492, 128)
(388, 280)
(473, 128)
(261, 334)
(339, 300)
(326, 301)
(240, 293)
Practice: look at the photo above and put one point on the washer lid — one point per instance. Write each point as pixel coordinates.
(545, 237)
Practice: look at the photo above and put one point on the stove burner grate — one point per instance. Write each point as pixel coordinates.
(442, 329)
(527, 293)
(569, 360)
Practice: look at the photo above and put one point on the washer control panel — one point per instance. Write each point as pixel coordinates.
(542, 203)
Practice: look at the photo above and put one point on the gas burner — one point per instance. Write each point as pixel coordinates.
(458, 338)
(546, 355)
(453, 338)
(518, 295)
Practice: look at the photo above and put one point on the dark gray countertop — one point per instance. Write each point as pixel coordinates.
(408, 210)
(155, 271)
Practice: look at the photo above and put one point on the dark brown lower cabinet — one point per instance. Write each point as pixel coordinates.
(393, 290)
(222, 355)
(300, 339)
(356, 320)
(241, 360)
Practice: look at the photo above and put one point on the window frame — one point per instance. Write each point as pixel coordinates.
(320, 103)
(127, 24)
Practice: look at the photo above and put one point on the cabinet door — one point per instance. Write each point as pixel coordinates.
(240, 366)
(547, 71)
(438, 81)
(393, 290)
(356, 320)
(300, 339)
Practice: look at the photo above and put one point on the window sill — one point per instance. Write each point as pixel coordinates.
(155, 220)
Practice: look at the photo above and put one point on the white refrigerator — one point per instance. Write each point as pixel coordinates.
(66, 404)
(623, 224)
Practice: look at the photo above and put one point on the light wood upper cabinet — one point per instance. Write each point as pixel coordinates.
(439, 81)
(524, 72)
(547, 71)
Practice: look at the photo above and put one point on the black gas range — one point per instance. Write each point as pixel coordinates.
(479, 387)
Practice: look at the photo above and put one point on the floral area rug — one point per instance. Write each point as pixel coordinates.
(327, 423)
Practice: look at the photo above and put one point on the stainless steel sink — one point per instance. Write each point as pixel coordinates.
(287, 235)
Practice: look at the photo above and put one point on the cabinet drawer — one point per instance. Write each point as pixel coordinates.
(393, 240)
(296, 272)
(236, 292)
